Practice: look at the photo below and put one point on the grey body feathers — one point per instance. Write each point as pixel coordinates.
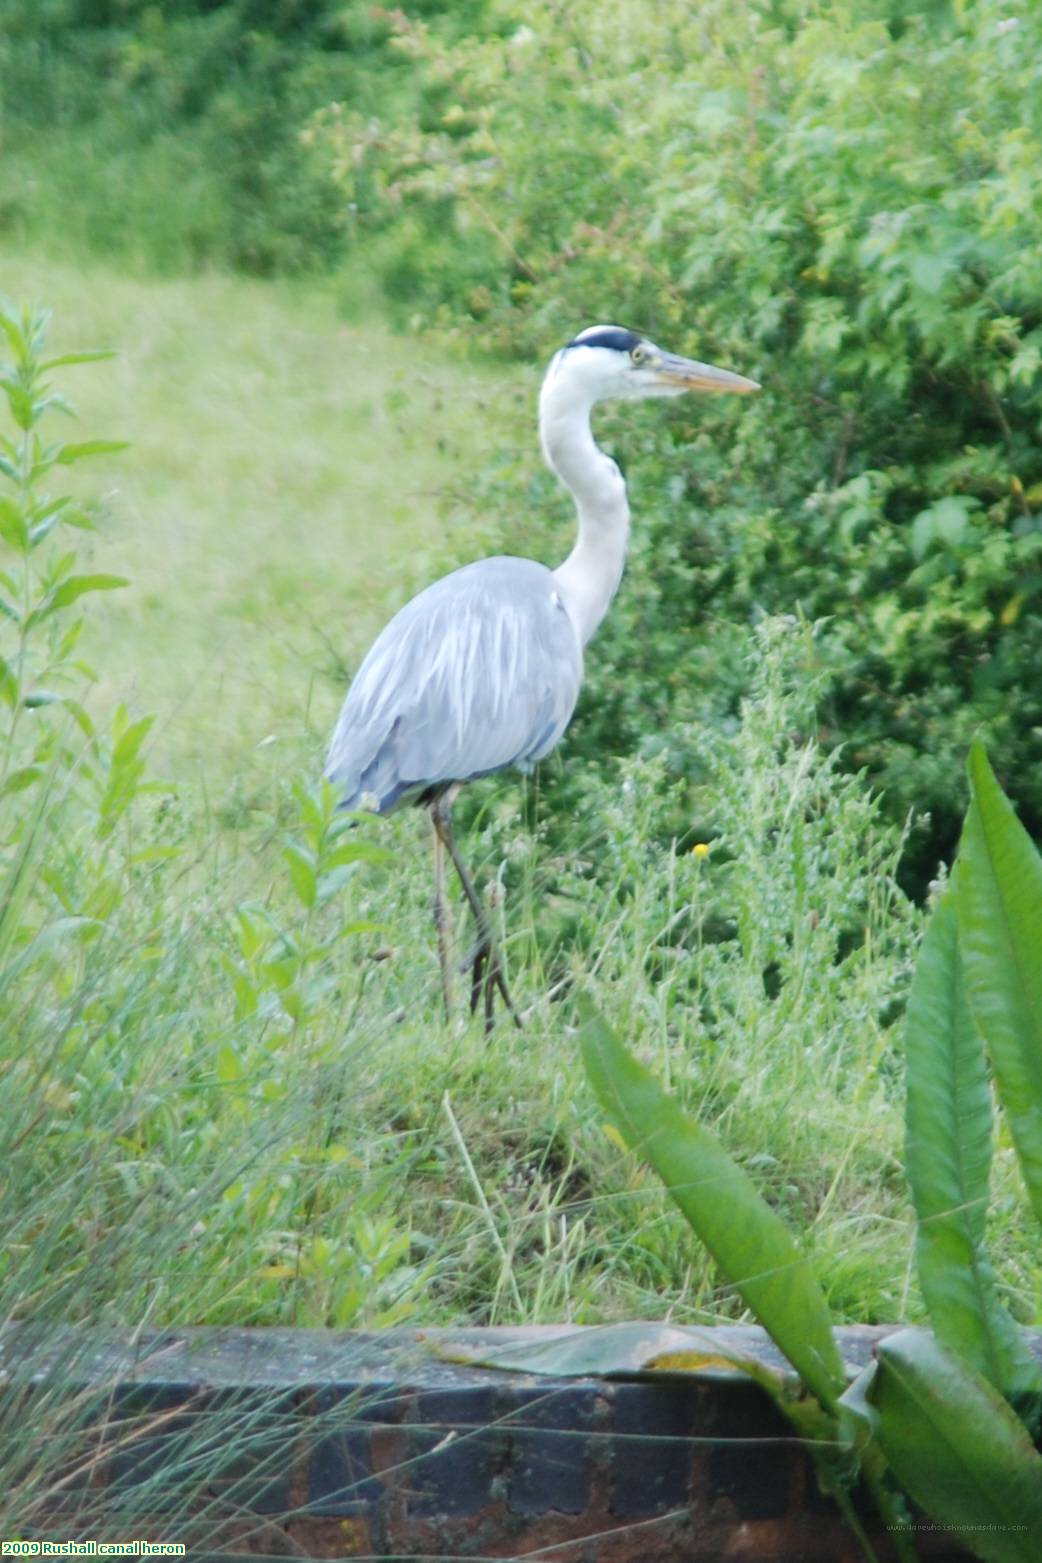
(479, 671)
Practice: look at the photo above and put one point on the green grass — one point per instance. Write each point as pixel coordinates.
(227, 1102)
(290, 476)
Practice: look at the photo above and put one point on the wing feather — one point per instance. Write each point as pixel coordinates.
(480, 671)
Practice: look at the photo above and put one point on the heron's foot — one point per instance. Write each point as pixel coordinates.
(486, 977)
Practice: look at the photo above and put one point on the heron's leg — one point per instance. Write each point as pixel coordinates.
(486, 952)
(477, 971)
(441, 921)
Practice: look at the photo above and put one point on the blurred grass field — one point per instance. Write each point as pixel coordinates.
(289, 478)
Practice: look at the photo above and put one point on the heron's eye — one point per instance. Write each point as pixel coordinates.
(638, 355)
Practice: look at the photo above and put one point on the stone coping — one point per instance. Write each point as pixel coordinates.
(219, 1357)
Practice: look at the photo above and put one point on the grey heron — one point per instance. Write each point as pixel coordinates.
(482, 669)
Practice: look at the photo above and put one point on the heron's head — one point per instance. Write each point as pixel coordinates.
(609, 362)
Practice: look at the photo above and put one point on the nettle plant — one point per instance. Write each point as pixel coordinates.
(65, 784)
(40, 581)
(948, 1418)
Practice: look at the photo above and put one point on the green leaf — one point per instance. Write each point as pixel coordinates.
(929, 272)
(643, 1351)
(17, 781)
(998, 885)
(50, 697)
(13, 528)
(128, 745)
(253, 932)
(750, 1243)
(48, 942)
(71, 589)
(19, 401)
(75, 586)
(76, 358)
(8, 683)
(67, 454)
(956, 1447)
(301, 865)
(80, 716)
(229, 1066)
(156, 855)
(947, 521)
(13, 332)
(53, 402)
(948, 1158)
(82, 520)
(45, 516)
(355, 851)
(246, 997)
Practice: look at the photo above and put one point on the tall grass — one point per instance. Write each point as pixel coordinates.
(229, 1092)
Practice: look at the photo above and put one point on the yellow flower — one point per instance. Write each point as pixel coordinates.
(700, 849)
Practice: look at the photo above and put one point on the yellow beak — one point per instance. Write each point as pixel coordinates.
(689, 375)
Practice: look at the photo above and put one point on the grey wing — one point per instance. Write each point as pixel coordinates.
(480, 671)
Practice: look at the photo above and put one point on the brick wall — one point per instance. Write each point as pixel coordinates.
(286, 1443)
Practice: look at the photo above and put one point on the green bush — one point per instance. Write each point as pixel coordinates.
(847, 207)
(172, 136)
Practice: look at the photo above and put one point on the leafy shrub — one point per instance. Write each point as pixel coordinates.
(846, 206)
(171, 135)
(774, 911)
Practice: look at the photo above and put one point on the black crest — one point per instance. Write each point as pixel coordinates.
(616, 337)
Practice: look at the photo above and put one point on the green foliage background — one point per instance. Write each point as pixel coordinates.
(170, 135)
(842, 200)
(849, 209)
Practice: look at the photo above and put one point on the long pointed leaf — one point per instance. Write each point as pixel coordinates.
(627, 1350)
(67, 454)
(90, 357)
(70, 590)
(998, 882)
(750, 1243)
(956, 1447)
(948, 1158)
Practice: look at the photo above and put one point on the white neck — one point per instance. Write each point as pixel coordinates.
(589, 578)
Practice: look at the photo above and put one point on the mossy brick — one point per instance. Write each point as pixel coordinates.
(341, 1474)
(551, 1455)
(757, 1478)
(155, 1431)
(457, 1446)
(259, 1481)
(147, 1430)
(257, 1439)
(651, 1452)
(738, 1408)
